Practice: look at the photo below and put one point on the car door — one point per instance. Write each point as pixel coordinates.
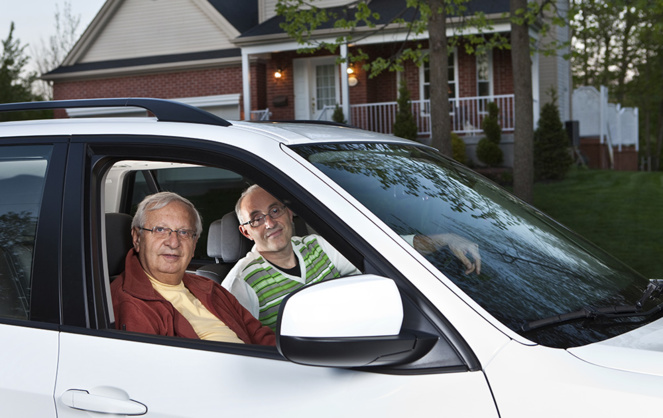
(107, 371)
(31, 174)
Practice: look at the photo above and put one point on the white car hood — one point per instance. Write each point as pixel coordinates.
(639, 351)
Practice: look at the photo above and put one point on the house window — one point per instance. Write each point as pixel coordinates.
(425, 78)
(325, 85)
(484, 74)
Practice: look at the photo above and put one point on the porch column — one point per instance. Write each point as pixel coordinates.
(246, 85)
(536, 95)
(345, 88)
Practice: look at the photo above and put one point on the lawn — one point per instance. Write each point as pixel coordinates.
(621, 212)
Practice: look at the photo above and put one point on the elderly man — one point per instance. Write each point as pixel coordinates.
(279, 263)
(155, 295)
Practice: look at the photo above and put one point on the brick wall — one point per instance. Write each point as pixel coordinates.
(266, 90)
(207, 82)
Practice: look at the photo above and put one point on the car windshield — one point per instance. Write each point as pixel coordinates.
(532, 267)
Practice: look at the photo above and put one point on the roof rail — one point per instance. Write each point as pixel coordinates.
(164, 110)
(304, 121)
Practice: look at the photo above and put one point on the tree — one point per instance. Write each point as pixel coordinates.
(618, 44)
(302, 19)
(338, 116)
(405, 125)
(488, 148)
(552, 157)
(606, 42)
(15, 80)
(50, 55)
(523, 157)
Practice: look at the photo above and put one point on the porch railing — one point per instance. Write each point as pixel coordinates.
(260, 115)
(466, 114)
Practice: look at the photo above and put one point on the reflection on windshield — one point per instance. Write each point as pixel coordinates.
(531, 267)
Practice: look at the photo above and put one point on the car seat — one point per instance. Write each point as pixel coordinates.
(118, 241)
(226, 245)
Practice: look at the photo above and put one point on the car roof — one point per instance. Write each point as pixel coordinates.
(179, 120)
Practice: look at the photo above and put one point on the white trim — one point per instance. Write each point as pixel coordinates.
(345, 88)
(216, 17)
(200, 101)
(92, 32)
(246, 85)
(146, 69)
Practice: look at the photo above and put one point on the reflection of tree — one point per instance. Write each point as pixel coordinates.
(17, 232)
(530, 267)
(411, 171)
(17, 228)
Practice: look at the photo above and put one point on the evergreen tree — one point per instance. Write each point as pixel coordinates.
(338, 116)
(488, 149)
(405, 125)
(15, 81)
(552, 157)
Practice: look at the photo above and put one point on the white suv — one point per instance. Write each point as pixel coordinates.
(552, 326)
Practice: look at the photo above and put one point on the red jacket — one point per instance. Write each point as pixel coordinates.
(140, 308)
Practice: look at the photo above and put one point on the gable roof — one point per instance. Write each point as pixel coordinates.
(132, 34)
(242, 14)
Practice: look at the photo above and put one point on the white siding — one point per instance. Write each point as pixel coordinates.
(554, 70)
(267, 9)
(143, 28)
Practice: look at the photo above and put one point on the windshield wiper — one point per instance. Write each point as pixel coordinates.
(654, 288)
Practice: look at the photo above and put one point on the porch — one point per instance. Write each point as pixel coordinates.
(466, 115)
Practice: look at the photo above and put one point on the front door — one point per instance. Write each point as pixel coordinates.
(316, 88)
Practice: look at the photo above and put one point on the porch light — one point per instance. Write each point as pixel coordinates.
(351, 68)
(278, 73)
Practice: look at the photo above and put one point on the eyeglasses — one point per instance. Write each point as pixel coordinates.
(163, 233)
(274, 212)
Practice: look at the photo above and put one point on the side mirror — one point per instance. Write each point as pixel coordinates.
(349, 322)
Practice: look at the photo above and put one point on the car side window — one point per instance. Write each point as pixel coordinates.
(22, 178)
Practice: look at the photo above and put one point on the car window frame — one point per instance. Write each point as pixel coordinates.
(102, 151)
(46, 260)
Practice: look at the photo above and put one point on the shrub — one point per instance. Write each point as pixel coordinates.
(491, 125)
(489, 153)
(552, 157)
(338, 116)
(488, 149)
(458, 148)
(405, 125)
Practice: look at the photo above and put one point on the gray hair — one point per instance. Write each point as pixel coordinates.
(159, 200)
(245, 193)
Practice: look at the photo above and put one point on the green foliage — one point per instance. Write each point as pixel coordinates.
(489, 153)
(552, 157)
(491, 124)
(488, 149)
(303, 17)
(338, 116)
(458, 148)
(15, 82)
(405, 125)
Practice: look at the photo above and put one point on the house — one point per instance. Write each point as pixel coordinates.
(234, 60)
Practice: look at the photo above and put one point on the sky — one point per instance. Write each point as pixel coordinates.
(34, 20)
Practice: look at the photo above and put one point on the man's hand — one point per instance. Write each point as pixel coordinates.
(459, 246)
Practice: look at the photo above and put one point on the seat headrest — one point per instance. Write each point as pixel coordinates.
(225, 242)
(118, 241)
